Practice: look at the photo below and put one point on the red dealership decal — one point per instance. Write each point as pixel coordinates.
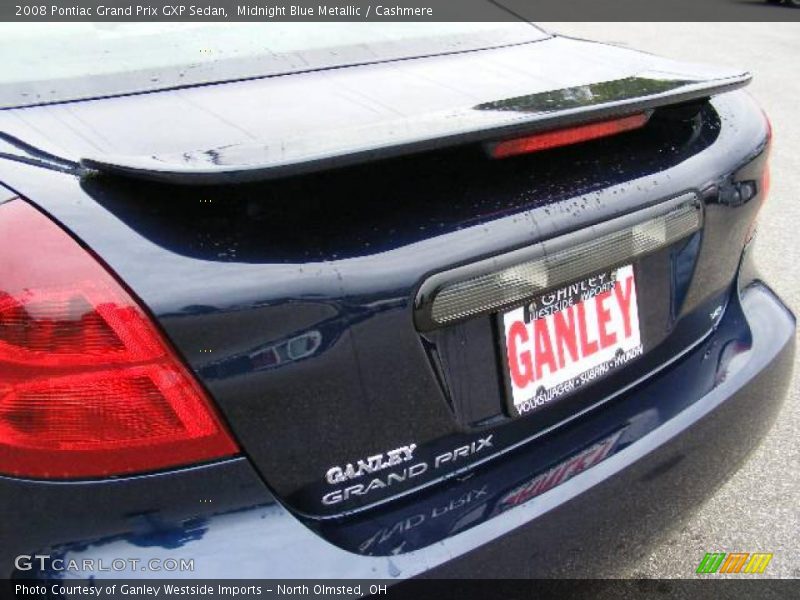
(560, 473)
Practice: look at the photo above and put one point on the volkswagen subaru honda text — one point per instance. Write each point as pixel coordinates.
(371, 301)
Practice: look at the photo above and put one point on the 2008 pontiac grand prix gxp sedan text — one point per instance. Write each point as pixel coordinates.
(372, 301)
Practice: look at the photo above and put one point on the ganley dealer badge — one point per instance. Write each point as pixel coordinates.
(393, 458)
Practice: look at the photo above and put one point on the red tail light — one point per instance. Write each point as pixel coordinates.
(564, 137)
(88, 386)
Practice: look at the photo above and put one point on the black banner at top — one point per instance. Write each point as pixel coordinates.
(396, 10)
(382, 589)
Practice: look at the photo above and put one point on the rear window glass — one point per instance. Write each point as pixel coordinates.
(46, 62)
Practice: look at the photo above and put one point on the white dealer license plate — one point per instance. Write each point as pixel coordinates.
(571, 336)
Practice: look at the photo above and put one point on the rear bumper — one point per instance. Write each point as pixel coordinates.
(653, 485)
(600, 517)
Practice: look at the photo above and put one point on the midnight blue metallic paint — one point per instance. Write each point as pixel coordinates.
(230, 276)
(328, 265)
(685, 431)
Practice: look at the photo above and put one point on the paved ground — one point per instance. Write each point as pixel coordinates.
(759, 509)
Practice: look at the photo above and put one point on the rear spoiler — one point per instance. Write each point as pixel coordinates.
(336, 145)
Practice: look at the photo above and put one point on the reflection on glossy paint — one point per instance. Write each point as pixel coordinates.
(464, 505)
(683, 261)
(294, 348)
(558, 474)
(394, 538)
(587, 95)
(150, 531)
